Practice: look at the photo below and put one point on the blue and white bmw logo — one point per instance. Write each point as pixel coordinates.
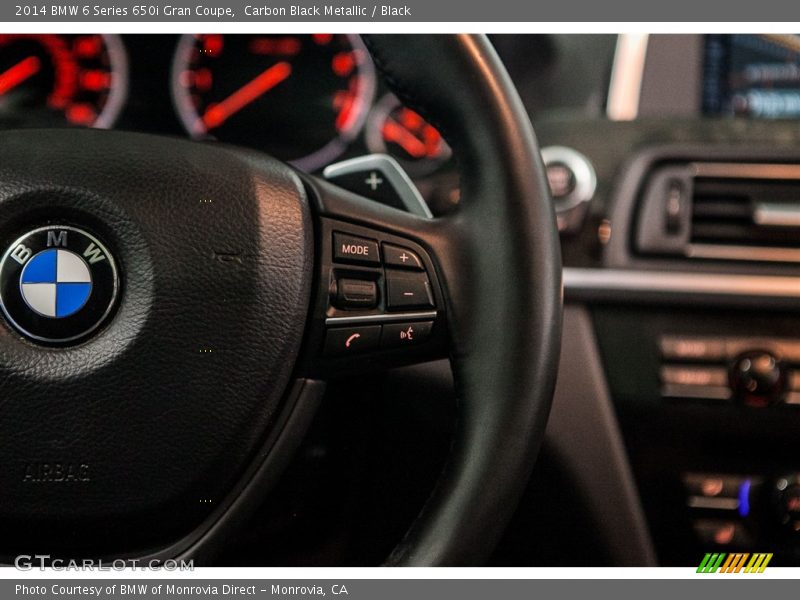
(57, 283)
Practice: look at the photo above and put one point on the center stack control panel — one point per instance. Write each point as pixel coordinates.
(746, 512)
(755, 372)
(756, 504)
(709, 406)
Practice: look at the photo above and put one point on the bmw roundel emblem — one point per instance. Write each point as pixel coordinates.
(57, 283)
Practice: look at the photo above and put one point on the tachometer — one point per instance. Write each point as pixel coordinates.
(51, 80)
(301, 98)
(399, 131)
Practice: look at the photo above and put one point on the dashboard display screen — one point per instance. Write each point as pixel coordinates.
(755, 76)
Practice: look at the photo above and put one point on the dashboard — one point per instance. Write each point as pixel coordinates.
(752, 75)
(747, 76)
(311, 100)
(307, 99)
(680, 279)
(315, 99)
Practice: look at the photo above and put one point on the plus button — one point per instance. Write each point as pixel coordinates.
(373, 181)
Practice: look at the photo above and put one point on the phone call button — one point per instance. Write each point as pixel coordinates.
(352, 340)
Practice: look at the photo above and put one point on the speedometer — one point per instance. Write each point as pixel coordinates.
(51, 80)
(301, 98)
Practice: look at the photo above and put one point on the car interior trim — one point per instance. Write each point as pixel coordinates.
(741, 170)
(746, 253)
(387, 318)
(626, 77)
(600, 460)
(578, 281)
(118, 93)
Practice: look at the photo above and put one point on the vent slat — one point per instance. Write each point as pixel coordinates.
(744, 235)
(722, 213)
(710, 207)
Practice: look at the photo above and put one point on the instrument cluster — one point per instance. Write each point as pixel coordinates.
(308, 99)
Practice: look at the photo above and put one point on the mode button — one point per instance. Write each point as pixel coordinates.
(355, 249)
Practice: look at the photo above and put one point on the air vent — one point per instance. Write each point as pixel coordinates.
(726, 211)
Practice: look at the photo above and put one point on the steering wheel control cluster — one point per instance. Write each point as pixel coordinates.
(379, 298)
(752, 372)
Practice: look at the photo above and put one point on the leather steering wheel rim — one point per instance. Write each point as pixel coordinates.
(502, 286)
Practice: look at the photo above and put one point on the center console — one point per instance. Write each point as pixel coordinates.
(708, 404)
(688, 263)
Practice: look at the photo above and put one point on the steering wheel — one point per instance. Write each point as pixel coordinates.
(200, 295)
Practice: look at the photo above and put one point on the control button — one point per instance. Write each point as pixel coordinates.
(561, 180)
(718, 492)
(352, 340)
(676, 207)
(758, 379)
(713, 486)
(408, 290)
(712, 532)
(789, 350)
(570, 175)
(707, 503)
(792, 398)
(794, 381)
(355, 249)
(786, 494)
(398, 335)
(397, 256)
(702, 376)
(372, 183)
(680, 348)
(381, 178)
(704, 383)
(699, 392)
(355, 293)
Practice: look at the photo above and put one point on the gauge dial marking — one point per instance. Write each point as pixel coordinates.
(394, 132)
(404, 134)
(51, 80)
(20, 72)
(302, 98)
(218, 113)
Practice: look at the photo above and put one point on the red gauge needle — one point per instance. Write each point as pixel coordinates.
(394, 132)
(217, 114)
(21, 71)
